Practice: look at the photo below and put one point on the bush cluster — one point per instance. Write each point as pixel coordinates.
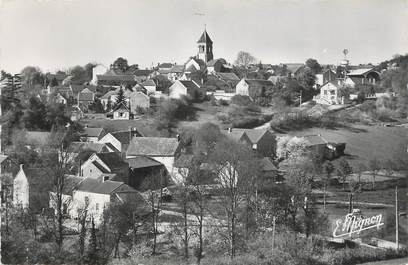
(360, 255)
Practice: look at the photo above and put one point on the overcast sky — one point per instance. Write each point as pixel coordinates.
(57, 34)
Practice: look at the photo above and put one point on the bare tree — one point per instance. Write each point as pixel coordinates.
(328, 169)
(244, 59)
(57, 160)
(234, 164)
(374, 165)
(155, 186)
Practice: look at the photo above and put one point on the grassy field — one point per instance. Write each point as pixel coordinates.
(364, 143)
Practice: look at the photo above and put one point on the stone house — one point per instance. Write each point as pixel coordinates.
(110, 164)
(253, 88)
(184, 88)
(91, 134)
(163, 150)
(120, 140)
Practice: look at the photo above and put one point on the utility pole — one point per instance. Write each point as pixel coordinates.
(273, 232)
(300, 98)
(396, 217)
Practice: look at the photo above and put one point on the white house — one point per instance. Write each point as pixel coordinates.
(163, 150)
(21, 189)
(121, 112)
(94, 196)
(99, 164)
(150, 86)
(252, 87)
(92, 135)
(329, 94)
(119, 141)
(183, 88)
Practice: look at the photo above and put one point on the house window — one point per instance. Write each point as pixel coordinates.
(332, 92)
(86, 200)
(120, 114)
(325, 92)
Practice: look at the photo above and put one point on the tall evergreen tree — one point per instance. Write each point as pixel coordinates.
(121, 97)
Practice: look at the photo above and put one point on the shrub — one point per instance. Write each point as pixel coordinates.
(241, 100)
(213, 101)
(360, 255)
(223, 102)
(223, 117)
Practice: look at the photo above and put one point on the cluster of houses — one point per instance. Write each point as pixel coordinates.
(117, 166)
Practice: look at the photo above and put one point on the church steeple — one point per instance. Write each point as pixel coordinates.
(205, 47)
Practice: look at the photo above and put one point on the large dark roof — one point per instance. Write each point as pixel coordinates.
(204, 38)
(140, 72)
(228, 76)
(152, 146)
(190, 85)
(92, 132)
(112, 160)
(121, 78)
(142, 161)
(122, 136)
(259, 82)
(166, 65)
(99, 186)
(177, 69)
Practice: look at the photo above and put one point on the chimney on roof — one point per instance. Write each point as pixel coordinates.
(229, 129)
(105, 178)
(21, 166)
(86, 125)
(178, 137)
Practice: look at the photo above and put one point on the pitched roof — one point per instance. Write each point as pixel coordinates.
(142, 72)
(99, 186)
(112, 160)
(2, 158)
(255, 134)
(228, 76)
(314, 140)
(122, 136)
(121, 106)
(119, 78)
(100, 167)
(142, 161)
(267, 164)
(92, 132)
(204, 38)
(235, 134)
(149, 82)
(258, 82)
(361, 71)
(152, 146)
(190, 85)
(77, 147)
(177, 69)
(86, 95)
(165, 65)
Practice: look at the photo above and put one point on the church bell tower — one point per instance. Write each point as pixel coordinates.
(205, 47)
